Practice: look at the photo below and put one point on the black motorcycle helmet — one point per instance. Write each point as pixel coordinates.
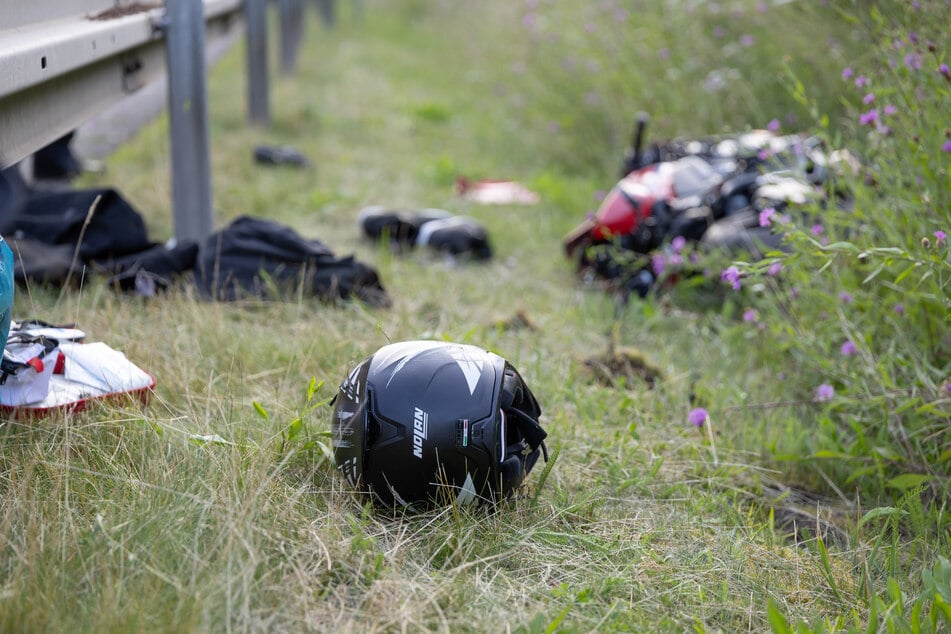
(429, 422)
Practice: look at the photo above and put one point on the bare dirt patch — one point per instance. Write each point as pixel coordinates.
(623, 363)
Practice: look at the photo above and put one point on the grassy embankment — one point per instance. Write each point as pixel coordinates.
(122, 519)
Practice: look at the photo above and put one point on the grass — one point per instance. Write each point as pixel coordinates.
(204, 512)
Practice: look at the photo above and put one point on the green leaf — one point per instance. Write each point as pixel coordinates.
(841, 246)
(888, 453)
(325, 450)
(860, 473)
(208, 439)
(882, 511)
(553, 626)
(261, 411)
(776, 618)
(871, 276)
(155, 427)
(927, 408)
(907, 481)
(828, 453)
(827, 569)
(905, 273)
(294, 428)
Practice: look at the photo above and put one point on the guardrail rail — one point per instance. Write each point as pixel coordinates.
(64, 61)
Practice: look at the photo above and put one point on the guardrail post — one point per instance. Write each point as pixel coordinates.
(188, 120)
(259, 110)
(292, 26)
(328, 11)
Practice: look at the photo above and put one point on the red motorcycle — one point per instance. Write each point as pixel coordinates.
(709, 192)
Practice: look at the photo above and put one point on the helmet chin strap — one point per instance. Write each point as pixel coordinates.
(514, 398)
(529, 438)
(530, 431)
(520, 456)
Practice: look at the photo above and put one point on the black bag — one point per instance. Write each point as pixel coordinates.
(114, 229)
(51, 239)
(256, 258)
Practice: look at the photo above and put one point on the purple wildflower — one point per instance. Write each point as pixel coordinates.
(913, 61)
(847, 73)
(678, 244)
(861, 81)
(848, 349)
(750, 315)
(869, 117)
(845, 298)
(940, 236)
(773, 126)
(869, 98)
(774, 269)
(899, 309)
(658, 264)
(766, 216)
(825, 392)
(747, 40)
(731, 275)
(698, 417)
(944, 70)
(946, 146)
(816, 230)
(890, 109)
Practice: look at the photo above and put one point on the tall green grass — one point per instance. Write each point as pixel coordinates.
(216, 507)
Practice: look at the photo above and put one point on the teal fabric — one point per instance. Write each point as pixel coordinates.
(6, 289)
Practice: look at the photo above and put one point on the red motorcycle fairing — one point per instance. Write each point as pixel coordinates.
(633, 198)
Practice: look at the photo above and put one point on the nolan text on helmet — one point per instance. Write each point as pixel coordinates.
(420, 428)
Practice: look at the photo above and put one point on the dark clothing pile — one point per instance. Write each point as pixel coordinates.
(57, 237)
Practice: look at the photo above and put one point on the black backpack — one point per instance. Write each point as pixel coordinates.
(256, 258)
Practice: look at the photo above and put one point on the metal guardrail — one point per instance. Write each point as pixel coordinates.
(86, 54)
(64, 61)
(61, 62)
